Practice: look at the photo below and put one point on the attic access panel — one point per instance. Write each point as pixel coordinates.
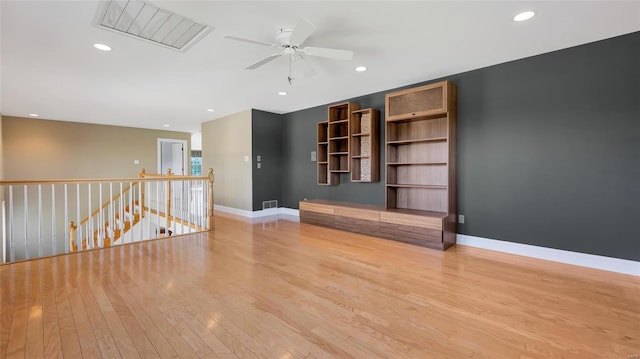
(148, 22)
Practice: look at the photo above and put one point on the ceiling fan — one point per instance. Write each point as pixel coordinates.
(289, 42)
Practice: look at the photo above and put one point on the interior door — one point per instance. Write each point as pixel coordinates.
(172, 156)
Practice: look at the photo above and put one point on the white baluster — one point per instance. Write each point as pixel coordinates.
(190, 206)
(147, 186)
(110, 214)
(4, 235)
(90, 223)
(201, 199)
(12, 243)
(54, 250)
(40, 221)
(101, 234)
(157, 209)
(121, 212)
(66, 219)
(79, 229)
(131, 214)
(26, 227)
(141, 208)
(174, 204)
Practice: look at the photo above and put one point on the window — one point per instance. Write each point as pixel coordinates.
(196, 163)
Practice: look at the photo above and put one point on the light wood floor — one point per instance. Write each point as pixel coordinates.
(285, 290)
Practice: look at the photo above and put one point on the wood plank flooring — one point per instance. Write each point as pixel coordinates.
(286, 290)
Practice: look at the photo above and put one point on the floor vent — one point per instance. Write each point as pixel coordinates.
(270, 204)
(148, 22)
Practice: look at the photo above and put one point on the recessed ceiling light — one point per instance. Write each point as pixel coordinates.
(102, 47)
(282, 93)
(165, 125)
(361, 68)
(210, 110)
(523, 16)
(34, 115)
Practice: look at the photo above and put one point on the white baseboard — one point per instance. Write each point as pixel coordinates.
(557, 255)
(289, 211)
(257, 214)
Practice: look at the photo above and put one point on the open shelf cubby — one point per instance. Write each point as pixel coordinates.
(338, 136)
(322, 156)
(365, 145)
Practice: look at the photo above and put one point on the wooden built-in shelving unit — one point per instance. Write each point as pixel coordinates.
(420, 188)
(322, 156)
(420, 152)
(334, 141)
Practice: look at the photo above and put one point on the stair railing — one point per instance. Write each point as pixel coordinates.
(49, 217)
(111, 220)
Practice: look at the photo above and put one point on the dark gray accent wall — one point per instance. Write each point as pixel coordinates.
(548, 150)
(266, 142)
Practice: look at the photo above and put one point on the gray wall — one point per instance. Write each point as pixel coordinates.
(266, 138)
(548, 150)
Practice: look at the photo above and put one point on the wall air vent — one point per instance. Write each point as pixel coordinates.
(146, 21)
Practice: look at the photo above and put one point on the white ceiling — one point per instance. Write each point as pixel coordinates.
(49, 66)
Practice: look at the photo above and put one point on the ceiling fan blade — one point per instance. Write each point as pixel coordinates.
(302, 31)
(263, 61)
(329, 53)
(256, 42)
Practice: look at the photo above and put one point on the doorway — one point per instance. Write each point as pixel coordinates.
(172, 154)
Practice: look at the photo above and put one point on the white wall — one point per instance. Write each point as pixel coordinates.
(225, 144)
(196, 141)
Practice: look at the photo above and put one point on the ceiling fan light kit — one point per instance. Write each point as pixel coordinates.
(289, 42)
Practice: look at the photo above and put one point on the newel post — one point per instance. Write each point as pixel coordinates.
(72, 237)
(210, 202)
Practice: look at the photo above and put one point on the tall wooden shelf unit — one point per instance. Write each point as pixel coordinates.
(339, 140)
(365, 145)
(421, 155)
(334, 139)
(322, 156)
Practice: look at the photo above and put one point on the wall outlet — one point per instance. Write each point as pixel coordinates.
(136, 162)
(246, 158)
(258, 158)
(461, 218)
(313, 156)
(259, 165)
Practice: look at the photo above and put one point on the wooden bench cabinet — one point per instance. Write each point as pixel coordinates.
(423, 228)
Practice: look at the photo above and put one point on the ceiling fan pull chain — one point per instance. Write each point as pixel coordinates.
(290, 78)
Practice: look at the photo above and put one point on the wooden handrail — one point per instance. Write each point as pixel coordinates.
(144, 174)
(99, 180)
